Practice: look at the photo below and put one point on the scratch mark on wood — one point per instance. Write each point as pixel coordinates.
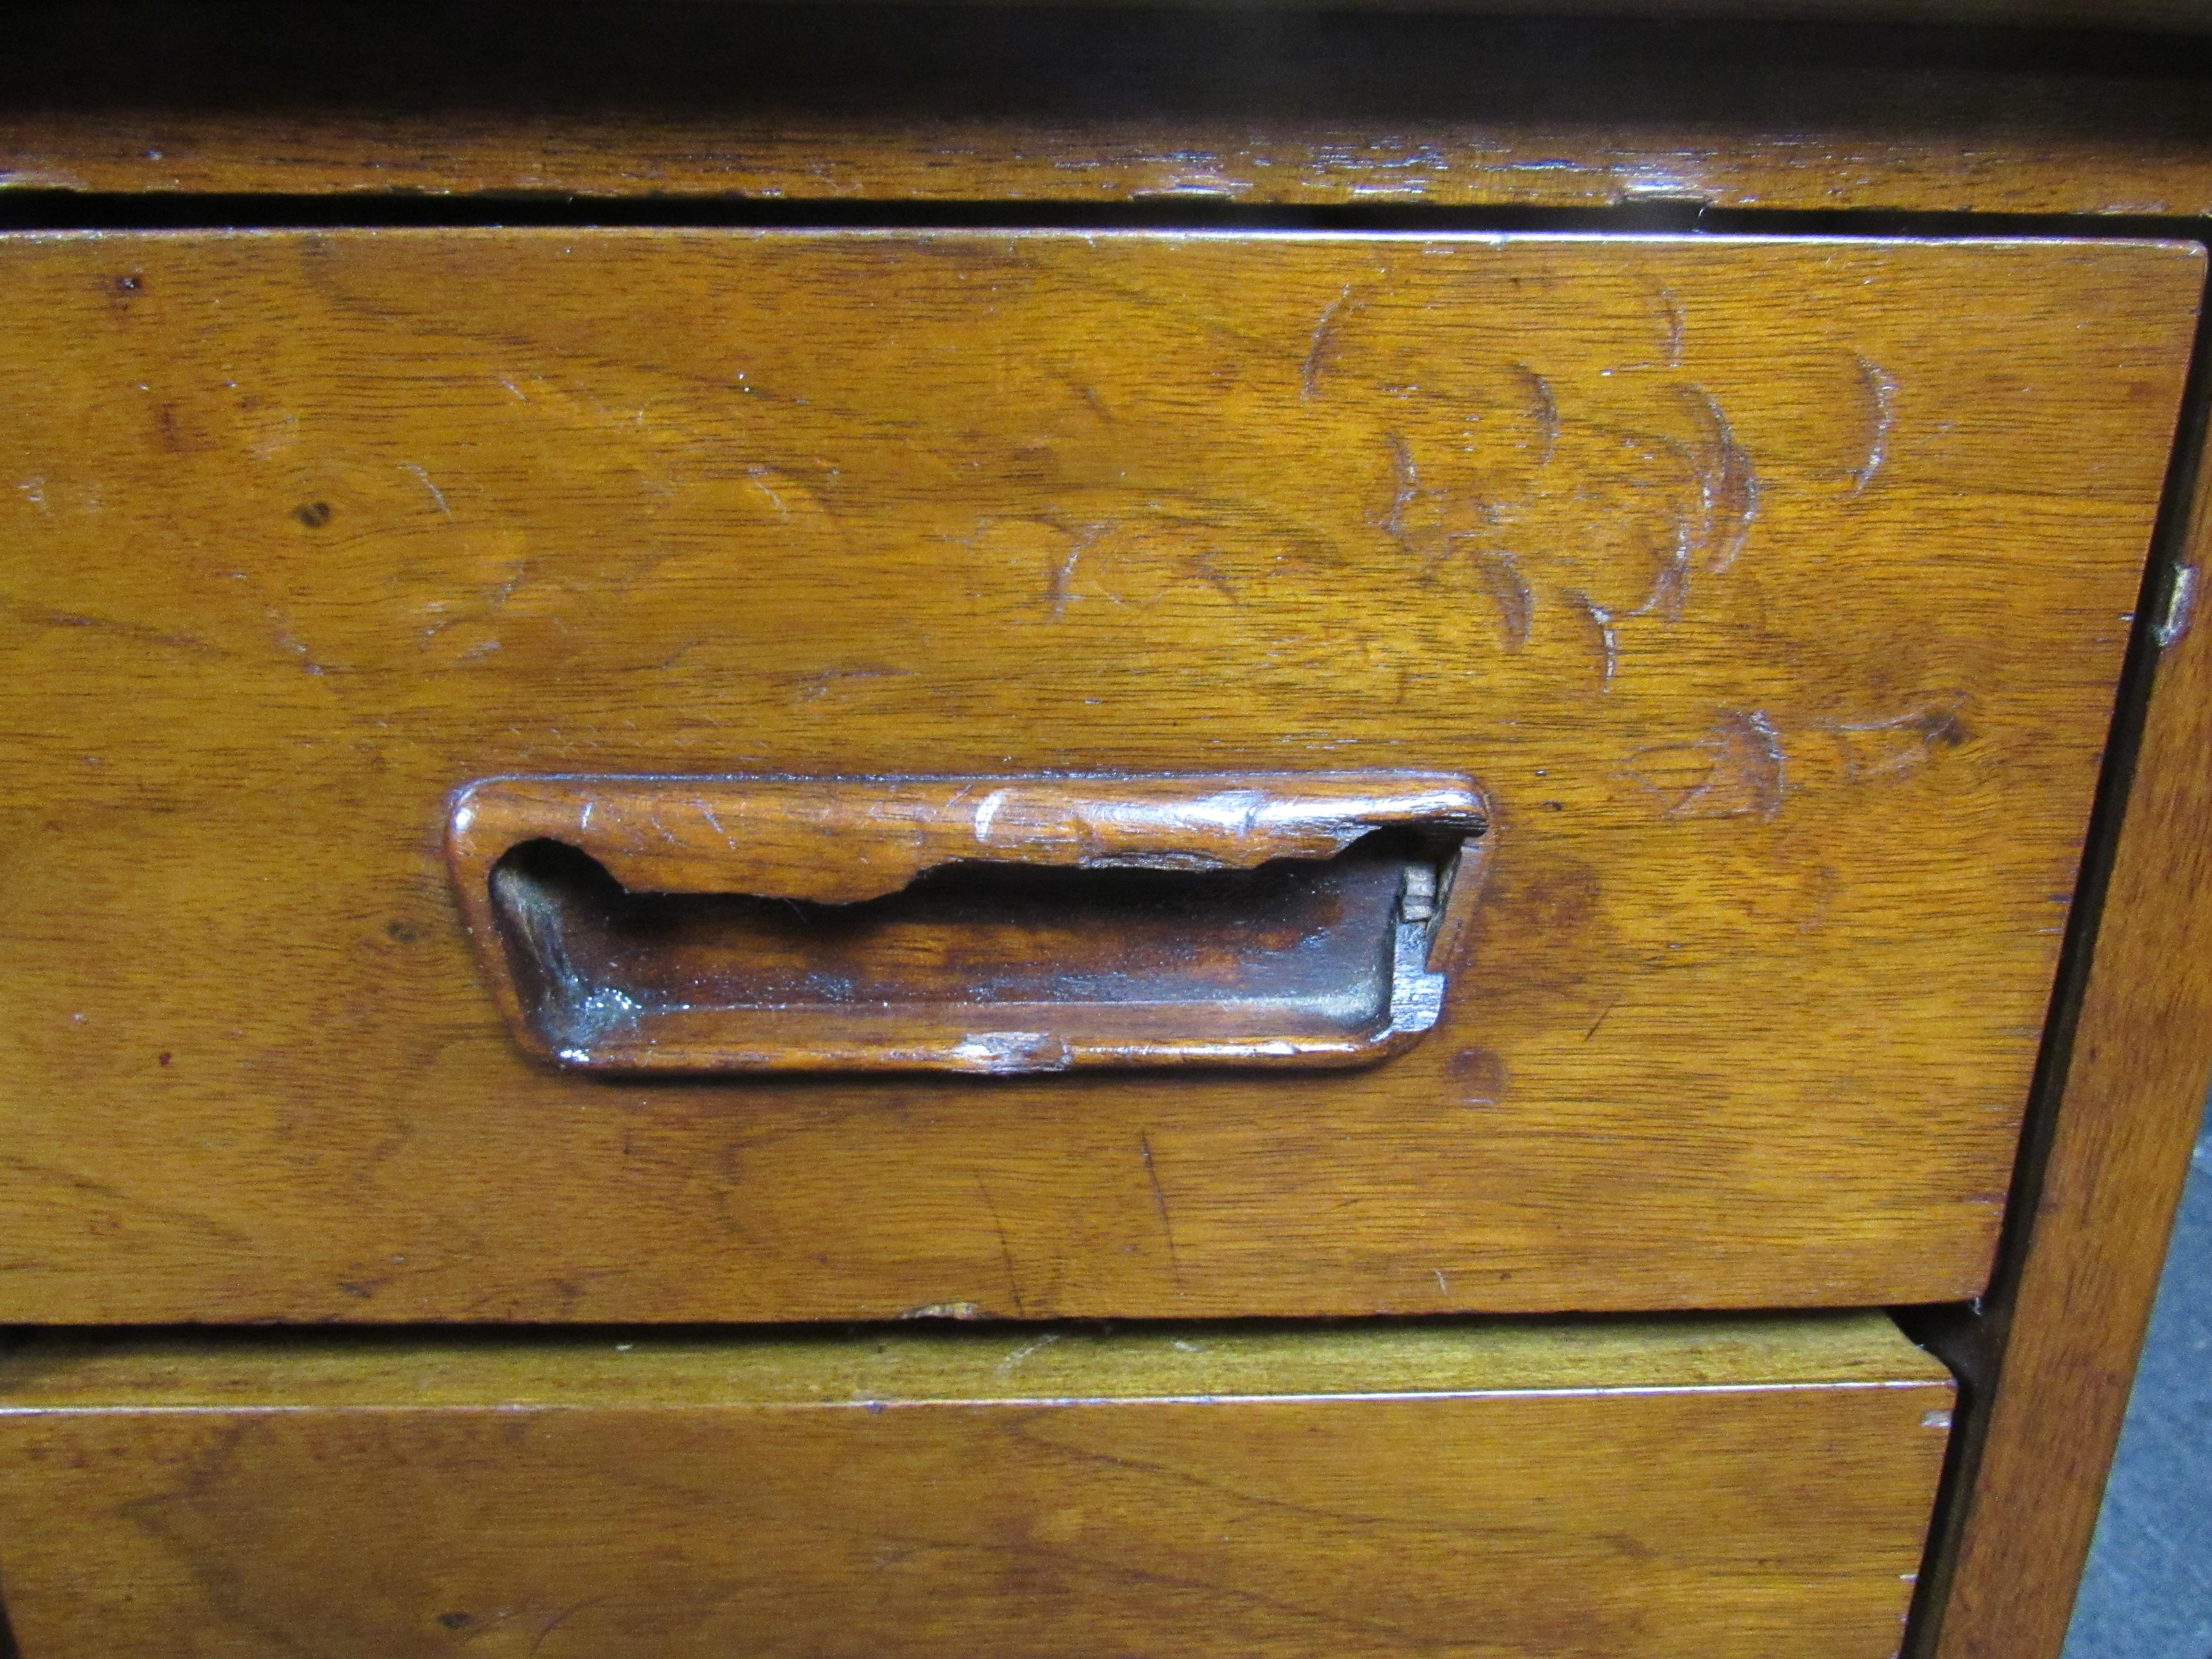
(436, 494)
(760, 475)
(1160, 1198)
(1060, 588)
(1671, 589)
(1881, 388)
(1902, 743)
(1063, 577)
(1671, 309)
(499, 593)
(1602, 1017)
(1727, 484)
(1737, 769)
(815, 683)
(1204, 566)
(1546, 409)
(1022, 1352)
(1408, 483)
(707, 810)
(1323, 344)
(1006, 1248)
(285, 639)
(1608, 640)
(564, 1617)
(45, 617)
(1509, 592)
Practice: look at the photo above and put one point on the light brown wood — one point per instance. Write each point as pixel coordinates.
(1777, 614)
(908, 924)
(1721, 1489)
(2063, 1329)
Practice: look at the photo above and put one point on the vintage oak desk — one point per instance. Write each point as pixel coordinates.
(1014, 832)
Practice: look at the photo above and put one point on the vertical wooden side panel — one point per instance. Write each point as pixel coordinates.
(2064, 1329)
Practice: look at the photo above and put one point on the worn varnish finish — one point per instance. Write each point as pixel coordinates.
(992, 925)
(1583, 164)
(2067, 1318)
(1776, 612)
(1707, 1489)
(842, 841)
(1170, 106)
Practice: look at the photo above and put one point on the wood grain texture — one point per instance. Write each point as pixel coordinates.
(986, 925)
(1754, 1490)
(1778, 613)
(2067, 1319)
(1063, 106)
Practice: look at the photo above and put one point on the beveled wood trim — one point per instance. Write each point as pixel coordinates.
(2054, 1353)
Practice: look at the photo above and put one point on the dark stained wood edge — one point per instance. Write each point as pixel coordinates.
(2049, 1355)
(1281, 106)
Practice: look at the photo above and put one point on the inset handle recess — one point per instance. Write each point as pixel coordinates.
(968, 924)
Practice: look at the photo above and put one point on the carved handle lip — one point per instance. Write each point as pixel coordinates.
(838, 840)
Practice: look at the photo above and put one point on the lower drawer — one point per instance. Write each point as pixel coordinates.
(1693, 1486)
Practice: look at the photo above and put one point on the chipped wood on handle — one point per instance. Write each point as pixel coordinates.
(1777, 614)
(1688, 1489)
(838, 840)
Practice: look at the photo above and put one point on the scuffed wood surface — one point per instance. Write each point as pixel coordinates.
(679, 105)
(1776, 608)
(1273, 161)
(1706, 1489)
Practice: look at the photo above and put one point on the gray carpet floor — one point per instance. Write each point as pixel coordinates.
(2148, 1592)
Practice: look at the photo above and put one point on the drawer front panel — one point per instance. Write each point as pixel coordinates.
(1702, 1491)
(1771, 591)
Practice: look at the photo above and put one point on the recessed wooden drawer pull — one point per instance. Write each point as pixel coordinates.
(969, 924)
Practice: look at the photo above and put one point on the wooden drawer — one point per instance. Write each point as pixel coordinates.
(1771, 591)
(1705, 1488)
